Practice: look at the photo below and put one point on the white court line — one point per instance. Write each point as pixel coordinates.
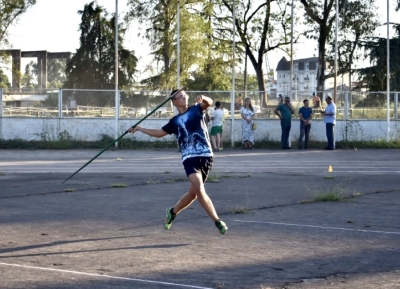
(104, 276)
(320, 227)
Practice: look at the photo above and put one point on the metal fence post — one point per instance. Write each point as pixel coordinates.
(396, 105)
(1, 113)
(1, 102)
(117, 104)
(60, 103)
(346, 106)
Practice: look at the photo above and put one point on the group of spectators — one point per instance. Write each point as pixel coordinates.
(217, 119)
(284, 111)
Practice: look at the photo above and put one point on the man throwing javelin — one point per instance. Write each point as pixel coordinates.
(191, 132)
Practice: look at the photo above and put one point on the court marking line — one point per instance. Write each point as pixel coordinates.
(104, 276)
(179, 169)
(320, 227)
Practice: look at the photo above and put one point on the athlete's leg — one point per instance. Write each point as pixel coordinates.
(197, 186)
(186, 200)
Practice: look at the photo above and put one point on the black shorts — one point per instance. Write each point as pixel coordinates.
(198, 165)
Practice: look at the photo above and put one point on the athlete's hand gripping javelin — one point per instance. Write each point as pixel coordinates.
(204, 101)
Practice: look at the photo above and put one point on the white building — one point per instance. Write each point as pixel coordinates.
(271, 86)
(304, 76)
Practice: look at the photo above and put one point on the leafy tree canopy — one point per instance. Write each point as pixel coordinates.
(29, 78)
(56, 73)
(93, 64)
(4, 82)
(321, 14)
(374, 78)
(10, 10)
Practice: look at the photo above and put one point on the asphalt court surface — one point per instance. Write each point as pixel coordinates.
(104, 227)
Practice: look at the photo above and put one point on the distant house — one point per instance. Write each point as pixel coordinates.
(271, 86)
(304, 75)
(23, 100)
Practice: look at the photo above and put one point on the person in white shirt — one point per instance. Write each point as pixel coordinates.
(217, 120)
(330, 121)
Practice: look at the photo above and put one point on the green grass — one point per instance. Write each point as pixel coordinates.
(237, 210)
(328, 197)
(169, 181)
(241, 209)
(119, 186)
(216, 177)
(2, 173)
(335, 194)
(105, 140)
(129, 143)
(376, 144)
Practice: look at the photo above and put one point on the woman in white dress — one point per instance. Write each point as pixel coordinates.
(247, 113)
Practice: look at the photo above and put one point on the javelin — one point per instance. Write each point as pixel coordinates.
(121, 136)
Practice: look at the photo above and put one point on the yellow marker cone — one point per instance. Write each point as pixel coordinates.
(330, 174)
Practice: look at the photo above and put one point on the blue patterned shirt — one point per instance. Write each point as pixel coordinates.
(191, 132)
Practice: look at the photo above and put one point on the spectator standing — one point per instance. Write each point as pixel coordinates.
(280, 99)
(284, 112)
(330, 121)
(305, 114)
(239, 102)
(316, 101)
(247, 113)
(217, 120)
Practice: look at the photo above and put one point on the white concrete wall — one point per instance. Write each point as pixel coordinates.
(91, 129)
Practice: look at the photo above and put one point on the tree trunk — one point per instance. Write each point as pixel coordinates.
(261, 84)
(321, 64)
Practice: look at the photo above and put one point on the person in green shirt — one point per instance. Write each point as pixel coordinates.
(284, 111)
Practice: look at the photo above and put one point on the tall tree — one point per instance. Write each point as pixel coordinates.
(262, 27)
(160, 21)
(56, 73)
(216, 71)
(29, 78)
(93, 64)
(4, 81)
(319, 14)
(10, 10)
(352, 28)
(374, 78)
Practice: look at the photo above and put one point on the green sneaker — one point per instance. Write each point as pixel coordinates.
(169, 218)
(222, 227)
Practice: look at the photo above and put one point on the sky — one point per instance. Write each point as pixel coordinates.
(52, 25)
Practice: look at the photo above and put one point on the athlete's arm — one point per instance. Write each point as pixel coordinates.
(205, 102)
(148, 131)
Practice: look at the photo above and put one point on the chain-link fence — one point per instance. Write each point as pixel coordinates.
(138, 103)
(88, 103)
(30, 103)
